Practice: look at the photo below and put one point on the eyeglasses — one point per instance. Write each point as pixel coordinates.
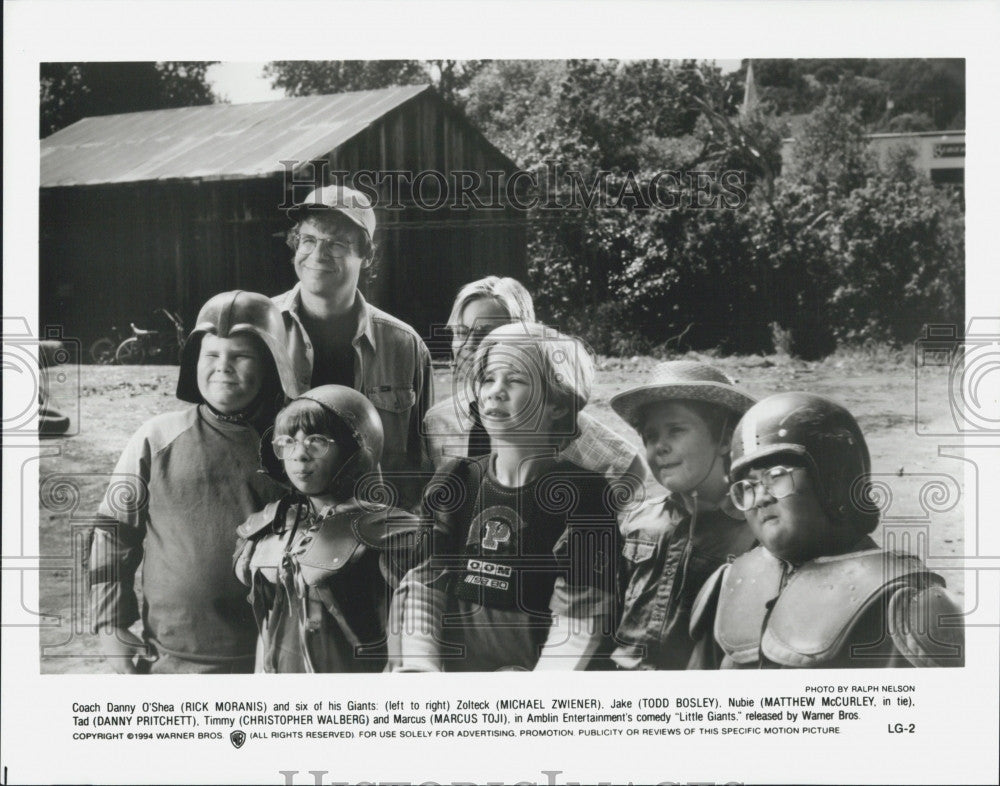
(779, 482)
(339, 246)
(316, 445)
(472, 337)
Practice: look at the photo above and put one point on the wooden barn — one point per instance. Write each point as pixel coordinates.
(165, 208)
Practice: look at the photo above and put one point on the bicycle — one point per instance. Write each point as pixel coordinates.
(102, 351)
(153, 345)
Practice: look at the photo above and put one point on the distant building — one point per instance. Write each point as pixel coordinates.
(166, 208)
(939, 154)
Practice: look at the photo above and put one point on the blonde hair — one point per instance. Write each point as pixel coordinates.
(565, 365)
(508, 292)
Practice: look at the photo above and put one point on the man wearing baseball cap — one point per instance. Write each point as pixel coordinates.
(336, 337)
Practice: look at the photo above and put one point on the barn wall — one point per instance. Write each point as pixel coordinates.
(111, 255)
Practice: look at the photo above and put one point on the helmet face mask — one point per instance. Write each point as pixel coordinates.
(821, 434)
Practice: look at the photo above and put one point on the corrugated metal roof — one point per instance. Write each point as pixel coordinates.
(211, 142)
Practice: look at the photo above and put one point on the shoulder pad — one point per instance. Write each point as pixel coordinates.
(388, 527)
(703, 611)
(330, 549)
(826, 597)
(926, 626)
(752, 581)
(262, 520)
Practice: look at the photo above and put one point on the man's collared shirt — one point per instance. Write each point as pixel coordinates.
(392, 367)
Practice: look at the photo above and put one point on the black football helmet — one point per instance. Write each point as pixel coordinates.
(826, 437)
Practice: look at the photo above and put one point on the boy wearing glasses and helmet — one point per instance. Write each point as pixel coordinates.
(336, 337)
(817, 592)
(319, 563)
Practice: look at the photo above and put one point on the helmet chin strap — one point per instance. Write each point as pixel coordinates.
(718, 457)
(352, 459)
(229, 417)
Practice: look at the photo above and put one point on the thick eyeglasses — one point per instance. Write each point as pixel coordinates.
(316, 445)
(306, 244)
(779, 482)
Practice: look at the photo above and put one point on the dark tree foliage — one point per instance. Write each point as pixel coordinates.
(451, 78)
(808, 257)
(71, 91)
(880, 89)
(837, 249)
(933, 87)
(831, 154)
(320, 77)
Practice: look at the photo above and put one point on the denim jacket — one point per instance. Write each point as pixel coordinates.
(664, 566)
(392, 367)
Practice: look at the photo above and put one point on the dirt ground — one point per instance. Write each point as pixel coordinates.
(924, 516)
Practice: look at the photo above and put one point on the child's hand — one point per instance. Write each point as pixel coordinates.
(120, 646)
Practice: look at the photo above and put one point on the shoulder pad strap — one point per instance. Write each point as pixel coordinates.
(703, 611)
(926, 626)
(263, 519)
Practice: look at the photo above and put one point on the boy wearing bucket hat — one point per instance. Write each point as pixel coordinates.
(320, 563)
(183, 484)
(685, 414)
(817, 592)
(336, 337)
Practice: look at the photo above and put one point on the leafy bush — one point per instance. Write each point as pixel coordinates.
(836, 250)
(901, 261)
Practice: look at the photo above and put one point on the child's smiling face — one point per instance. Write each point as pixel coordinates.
(680, 450)
(230, 371)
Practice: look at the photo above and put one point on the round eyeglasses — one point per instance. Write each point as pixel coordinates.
(316, 445)
(306, 244)
(779, 482)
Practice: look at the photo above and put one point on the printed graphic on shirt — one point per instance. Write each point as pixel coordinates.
(496, 529)
(493, 544)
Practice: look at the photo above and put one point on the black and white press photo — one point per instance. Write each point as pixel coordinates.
(350, 393)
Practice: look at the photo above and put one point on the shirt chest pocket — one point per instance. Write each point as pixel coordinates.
(394, 404)
(393, 399)
(638, 551)
(638, 555)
